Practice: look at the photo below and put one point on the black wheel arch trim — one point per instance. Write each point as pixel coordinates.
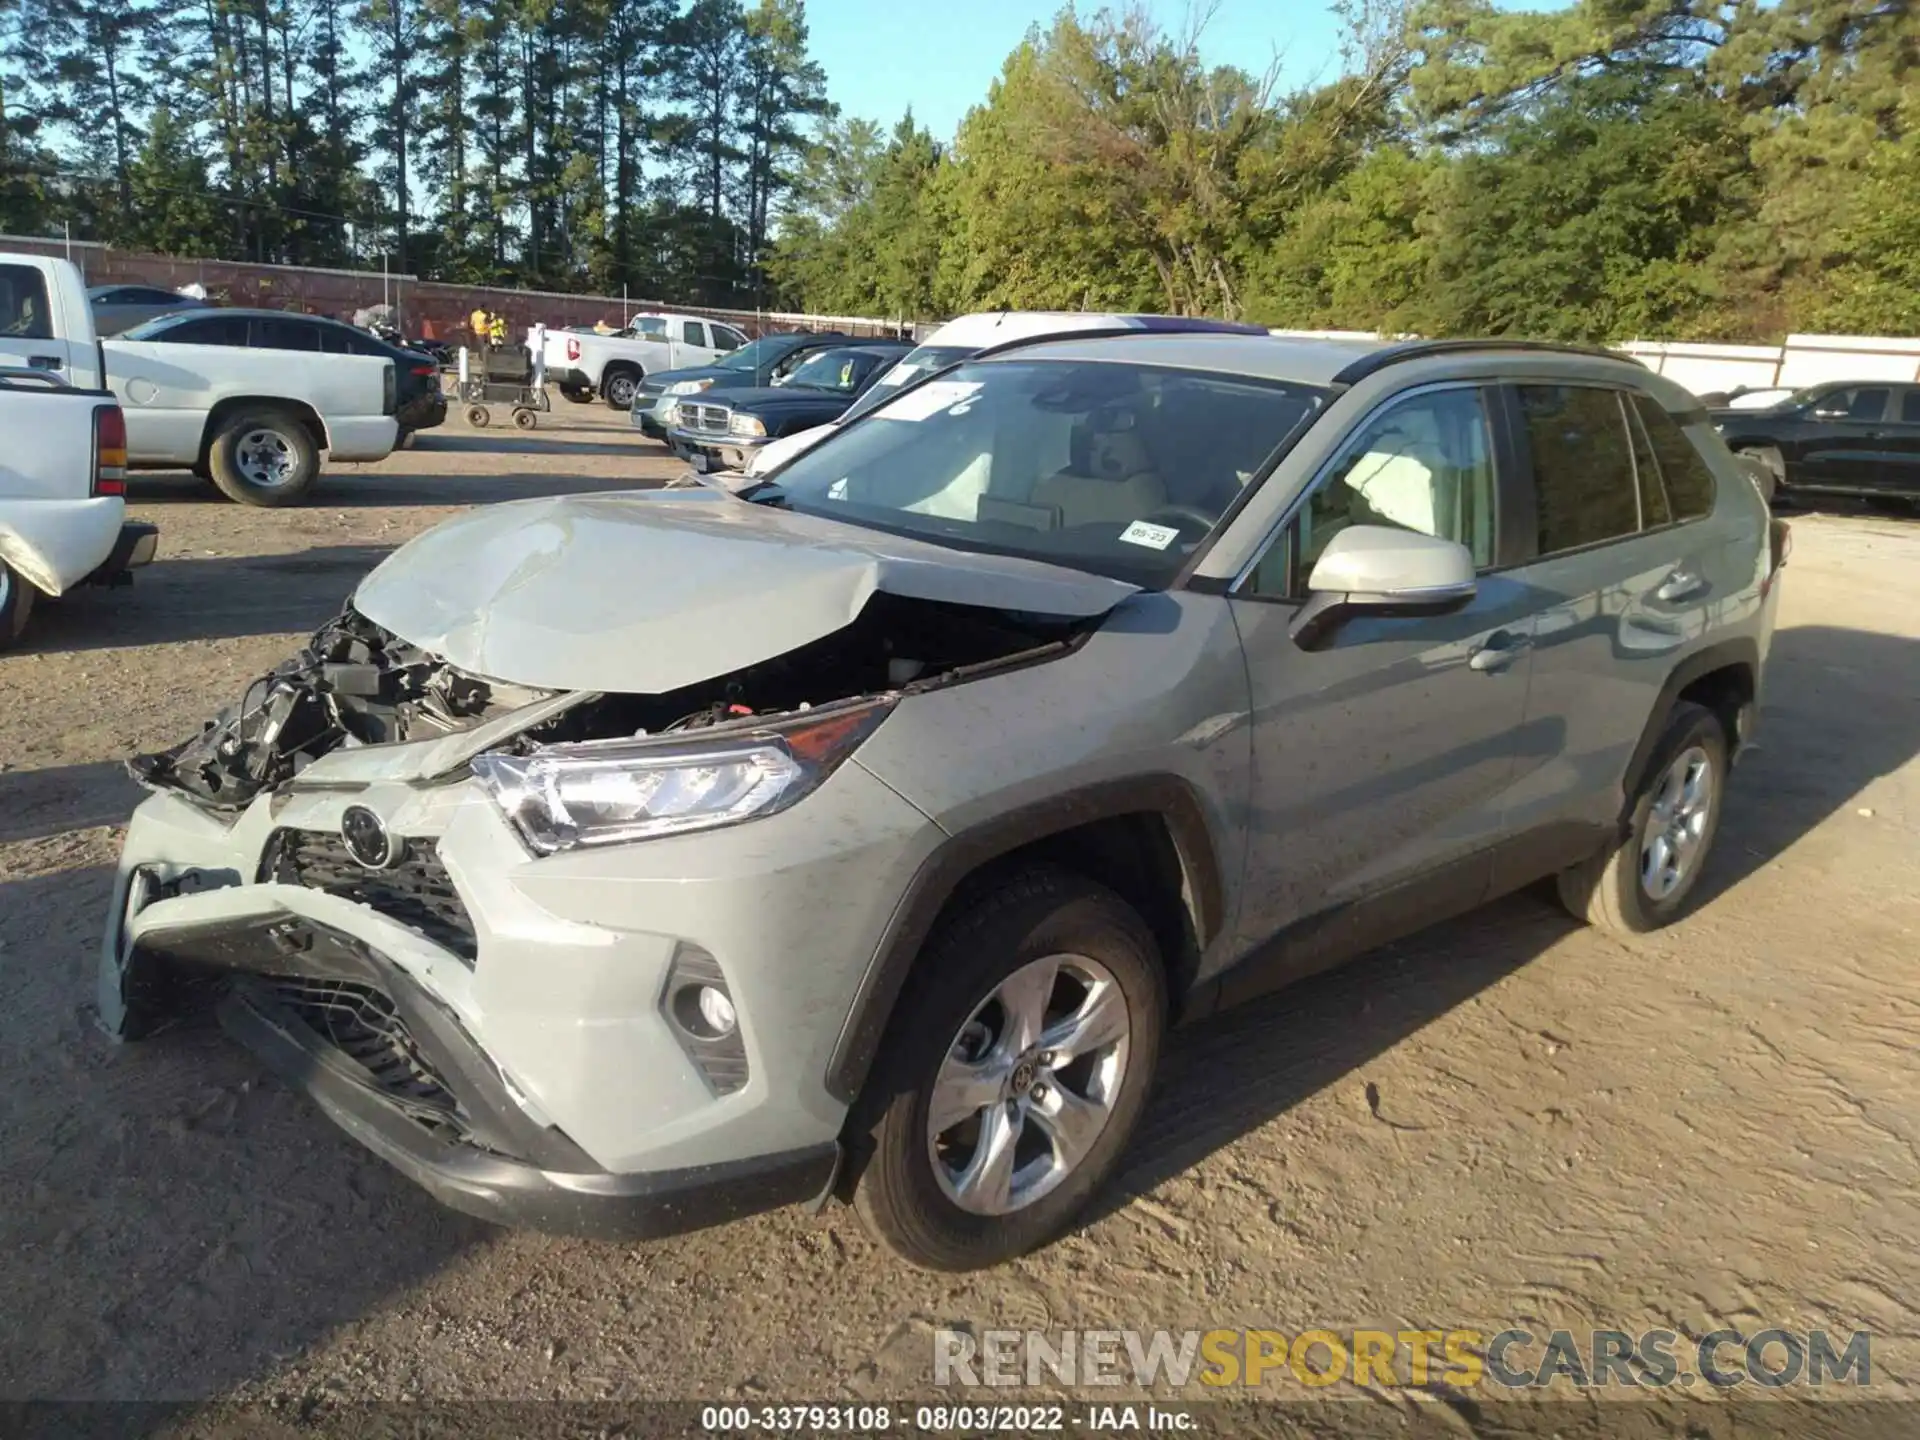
(1164, 796)
(1740, 651)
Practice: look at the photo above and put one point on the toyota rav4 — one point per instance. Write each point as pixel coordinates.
(622, 864)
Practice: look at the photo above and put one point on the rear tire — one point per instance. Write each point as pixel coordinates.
(619, 387)
(16, 604)
(1074, 950)
(264, 457)
(1631, 887)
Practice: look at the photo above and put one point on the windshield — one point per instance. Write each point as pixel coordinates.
(840, 370)
(1118, 469)
(916, 363)
(751, 355)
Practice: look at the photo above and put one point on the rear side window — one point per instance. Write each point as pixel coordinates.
(226, 330)
(1583, 471)
(285, 335)
(1683, 473)
(25, 313)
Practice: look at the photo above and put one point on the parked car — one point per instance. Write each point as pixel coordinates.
(420, 403)
(254, 422)
(1846, 437)
(969, 335)
(758, 363)
(621, 864)
(121, 307)
(1746, 397)
(63, 515)
(721, 432)
(582, 364)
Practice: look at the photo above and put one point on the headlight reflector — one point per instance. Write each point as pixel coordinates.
(747, 425)
(611, 792)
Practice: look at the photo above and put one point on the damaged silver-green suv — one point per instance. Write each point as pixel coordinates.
(624, 864)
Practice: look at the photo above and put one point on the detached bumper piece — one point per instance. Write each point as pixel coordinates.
(395, 1069)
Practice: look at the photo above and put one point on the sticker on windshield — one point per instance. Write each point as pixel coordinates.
(930, 399)
(1154, 537)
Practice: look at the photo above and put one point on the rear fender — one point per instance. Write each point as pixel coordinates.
(55, 544)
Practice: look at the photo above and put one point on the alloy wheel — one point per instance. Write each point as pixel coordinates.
(1028, 1084)
(1677, 824)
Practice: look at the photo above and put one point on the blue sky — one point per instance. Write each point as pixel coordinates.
(939, 56)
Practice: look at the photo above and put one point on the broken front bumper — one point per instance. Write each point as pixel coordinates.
(496, 1025)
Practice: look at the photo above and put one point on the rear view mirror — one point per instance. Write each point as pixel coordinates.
(1377, 570)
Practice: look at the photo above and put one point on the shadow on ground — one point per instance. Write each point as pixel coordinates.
(348, 486)
(1842, 709)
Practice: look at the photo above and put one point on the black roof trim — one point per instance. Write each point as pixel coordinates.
(1418, 349)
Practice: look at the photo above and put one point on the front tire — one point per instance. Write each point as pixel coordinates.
(16, 604)
(264, 457)
(1649, 879)
(1012, 1077)
(619, 387)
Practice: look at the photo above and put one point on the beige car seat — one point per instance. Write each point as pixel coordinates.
(1110, 481)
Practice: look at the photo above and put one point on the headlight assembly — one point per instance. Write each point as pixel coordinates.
(689, 387)
(747, 425)
(612, 792)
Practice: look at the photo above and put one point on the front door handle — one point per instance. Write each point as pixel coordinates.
(1498, 651)
(1680, 585)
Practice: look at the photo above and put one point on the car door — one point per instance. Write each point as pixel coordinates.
(27, 339)
(1840, 449)
(1381, 760)
(694, 346)
(164, 394)
(1626, 562)
(1899, 448)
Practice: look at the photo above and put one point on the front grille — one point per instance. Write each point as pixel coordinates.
(361, 1023)
(707, 419)
(418, 892)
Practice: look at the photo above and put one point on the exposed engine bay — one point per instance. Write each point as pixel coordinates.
(355, 683)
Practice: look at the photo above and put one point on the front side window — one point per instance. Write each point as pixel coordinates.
(1115, 468)
(1586, 489)
(1425, 464)
(213, 330)
(1855, 402)
(284, 335)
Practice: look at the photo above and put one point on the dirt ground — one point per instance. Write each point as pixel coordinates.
(1507, 1121)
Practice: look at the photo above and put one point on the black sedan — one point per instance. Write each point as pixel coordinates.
(120, 307)
(722, 433)
(421, 404)
(762, 363)
(1849, 437)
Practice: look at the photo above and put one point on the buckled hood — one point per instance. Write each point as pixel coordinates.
(648, 592)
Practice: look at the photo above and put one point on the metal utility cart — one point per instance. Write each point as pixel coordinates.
(500, 376)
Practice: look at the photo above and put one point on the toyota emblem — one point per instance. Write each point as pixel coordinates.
(365, 836)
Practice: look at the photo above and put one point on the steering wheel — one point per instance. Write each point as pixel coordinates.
(1187, 516)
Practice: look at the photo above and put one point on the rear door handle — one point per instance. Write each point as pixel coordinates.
(1497, 652)
(1680, 585)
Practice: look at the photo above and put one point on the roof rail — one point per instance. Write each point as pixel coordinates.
(1378, 360)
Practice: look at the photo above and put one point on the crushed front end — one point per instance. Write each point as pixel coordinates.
(369, 869)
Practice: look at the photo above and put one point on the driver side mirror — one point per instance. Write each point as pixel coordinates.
(1830, 412)
(1378, 570)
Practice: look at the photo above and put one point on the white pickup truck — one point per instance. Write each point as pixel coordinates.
(255, 422)
(63, 515)
(582, 363)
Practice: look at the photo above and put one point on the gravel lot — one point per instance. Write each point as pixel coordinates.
(1507, 1121)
